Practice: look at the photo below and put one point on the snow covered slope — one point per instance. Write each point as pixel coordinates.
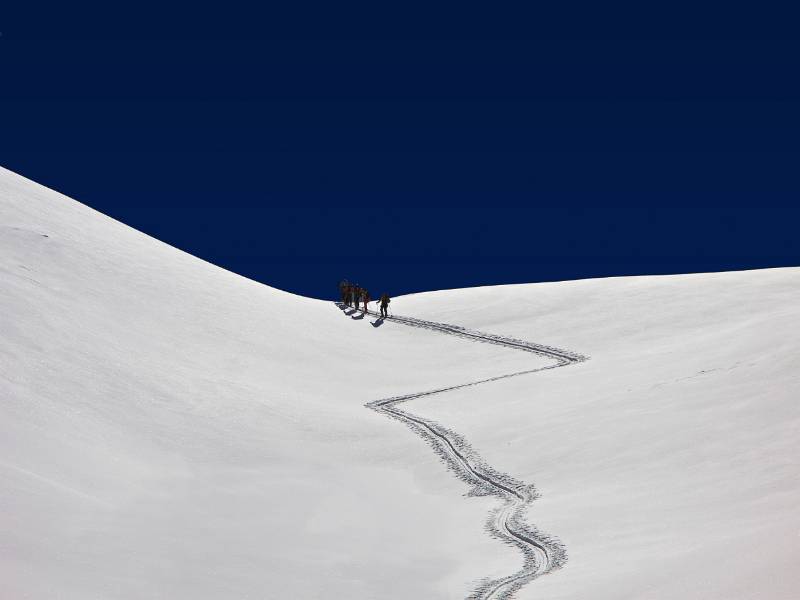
(670, 462)
(171, 430)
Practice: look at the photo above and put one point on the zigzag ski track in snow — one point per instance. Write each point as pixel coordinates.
(542, 553)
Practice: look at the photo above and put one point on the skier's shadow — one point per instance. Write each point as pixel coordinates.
(377, 323)
(348, 310)
(357, 317)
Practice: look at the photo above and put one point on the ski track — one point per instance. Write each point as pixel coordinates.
(542, 553)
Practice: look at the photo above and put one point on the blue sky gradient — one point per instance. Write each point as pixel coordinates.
(416, 164)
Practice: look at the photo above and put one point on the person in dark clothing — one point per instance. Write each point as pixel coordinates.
(356, 296)
(384, 304)
(343, 285)
(365, 299)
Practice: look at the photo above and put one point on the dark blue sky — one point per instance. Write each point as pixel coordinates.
(415, 164)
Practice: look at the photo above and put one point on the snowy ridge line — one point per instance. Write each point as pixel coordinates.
(542, 553)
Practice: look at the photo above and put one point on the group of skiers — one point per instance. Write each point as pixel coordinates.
(355, 296)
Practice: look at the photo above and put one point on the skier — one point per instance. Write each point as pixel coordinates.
(384, 303)
(343, 286)
(356, 296)
(365, 299)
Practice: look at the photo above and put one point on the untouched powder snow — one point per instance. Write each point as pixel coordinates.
(171, 430)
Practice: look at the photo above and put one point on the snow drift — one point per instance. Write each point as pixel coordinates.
(172, 430)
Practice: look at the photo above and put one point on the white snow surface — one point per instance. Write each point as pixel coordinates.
(171, 430)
